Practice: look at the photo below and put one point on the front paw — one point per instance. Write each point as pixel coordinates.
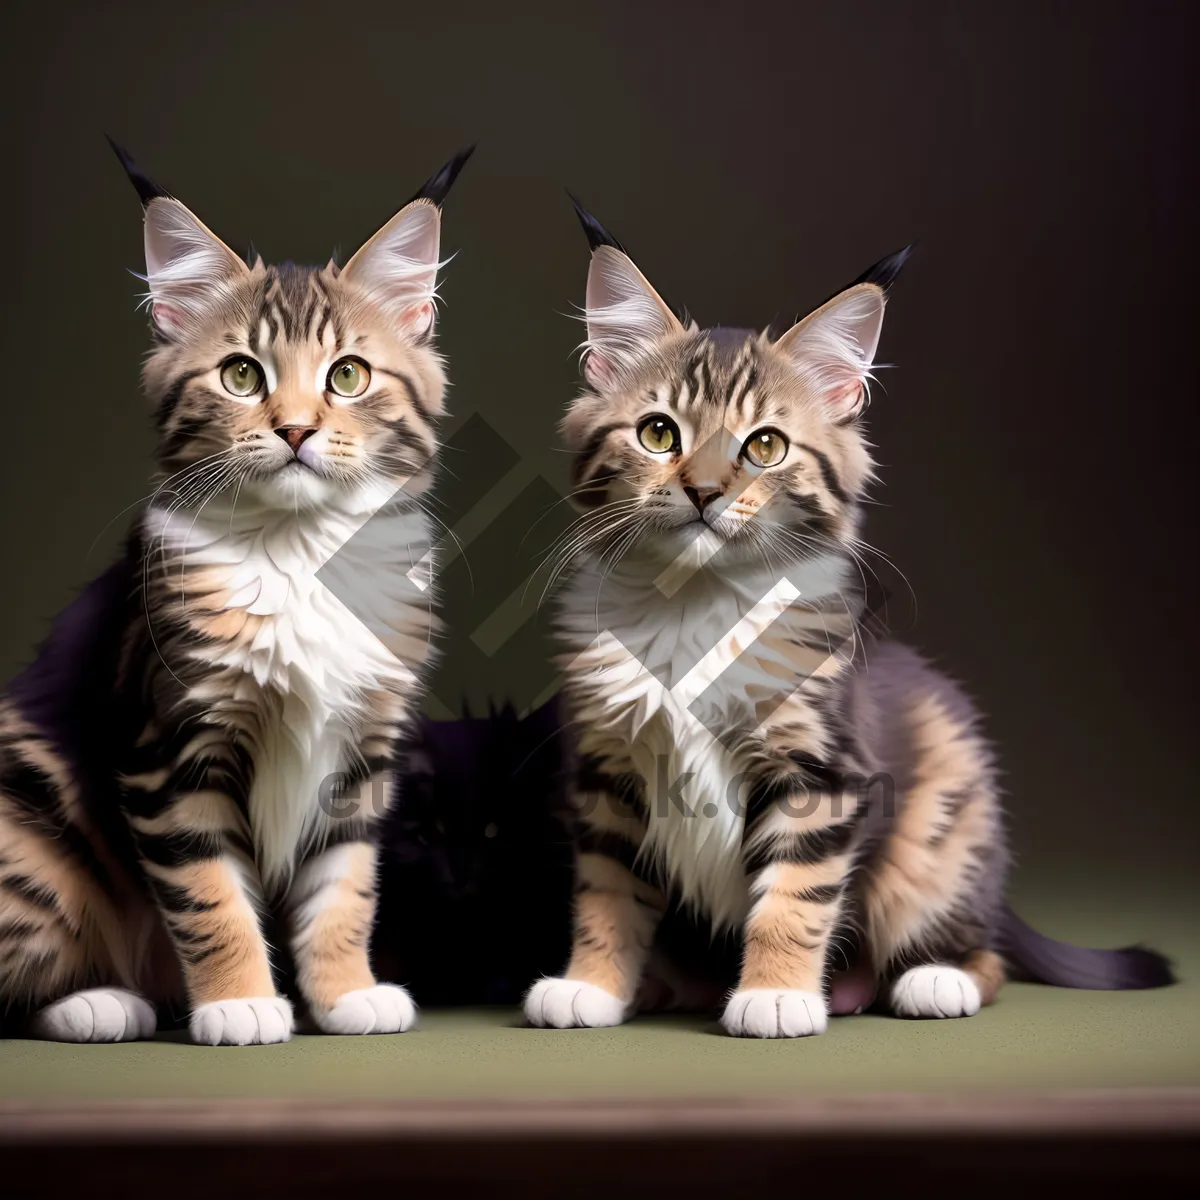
(259, 1021)
(572, 1004)
(384, 1008)
(774, 1013)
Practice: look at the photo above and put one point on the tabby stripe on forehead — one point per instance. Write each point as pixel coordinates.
(595, 444)
(681, 398)
(315, 300)
(286, 320)
(304, 324)
(265, 314)
(701, 380)
(748, 381)
(828, 474)
(326, 311)
(319, 334)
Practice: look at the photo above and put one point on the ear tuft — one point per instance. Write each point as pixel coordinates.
(187, 265)
(145, 187)
(884, 272)
(437, 186)
(624, 314)
(595, 233)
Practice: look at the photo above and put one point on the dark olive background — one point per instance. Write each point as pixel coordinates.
(1036, 436)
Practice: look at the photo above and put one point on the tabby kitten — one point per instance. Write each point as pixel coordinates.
(189, 782)
(748, 744)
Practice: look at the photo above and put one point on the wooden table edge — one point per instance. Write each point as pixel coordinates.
(1119, 1113)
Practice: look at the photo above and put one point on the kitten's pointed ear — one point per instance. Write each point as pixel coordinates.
(398, 266)
(624, 313)
(187, 265)
(834, 347)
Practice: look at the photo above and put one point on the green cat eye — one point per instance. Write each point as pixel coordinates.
(349, 377)
(659, 435)
(766, 448)
(241, 377)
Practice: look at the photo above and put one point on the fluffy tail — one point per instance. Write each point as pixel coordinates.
(1039, 959)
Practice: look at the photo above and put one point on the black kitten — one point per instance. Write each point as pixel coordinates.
(476, 872)
(476, 861)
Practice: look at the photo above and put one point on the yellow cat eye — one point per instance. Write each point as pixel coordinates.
(241, 377)
(659, 435)
(349, 377)
(766, 448)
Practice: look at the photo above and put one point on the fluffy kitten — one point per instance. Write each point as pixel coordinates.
(747, 744)
(169, 787)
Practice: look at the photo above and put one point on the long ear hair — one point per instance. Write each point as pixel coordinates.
(187, 266)
(597, 235)
(624, 313)
(398, 266)
(833, 348)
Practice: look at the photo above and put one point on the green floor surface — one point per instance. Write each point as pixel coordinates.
(1033, 1038)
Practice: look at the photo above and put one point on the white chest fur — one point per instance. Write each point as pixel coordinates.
(662, 680)
(313, 656)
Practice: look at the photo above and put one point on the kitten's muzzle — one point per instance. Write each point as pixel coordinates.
(701, 497)
(295, 435)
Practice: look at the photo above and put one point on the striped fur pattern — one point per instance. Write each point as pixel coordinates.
(151, 840)
(747, 746)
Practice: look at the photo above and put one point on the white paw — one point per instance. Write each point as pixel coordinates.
(774, 1013)
(260, 1021)
(572, 1004)
(384, 1008)
(97, 1015)
(934, 991)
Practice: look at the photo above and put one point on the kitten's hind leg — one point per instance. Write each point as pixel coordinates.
(96, 1015)
(931, 888)
(61, 928)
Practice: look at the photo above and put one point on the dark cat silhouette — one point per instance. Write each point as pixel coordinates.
(476, 872)
(476, 861)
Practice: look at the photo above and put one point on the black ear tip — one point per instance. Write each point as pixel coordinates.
(596, 234)
(438, 186)
(884, 272)
(145, 187)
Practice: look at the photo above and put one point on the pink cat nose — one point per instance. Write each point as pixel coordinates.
(295, 435)
(701, 497)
